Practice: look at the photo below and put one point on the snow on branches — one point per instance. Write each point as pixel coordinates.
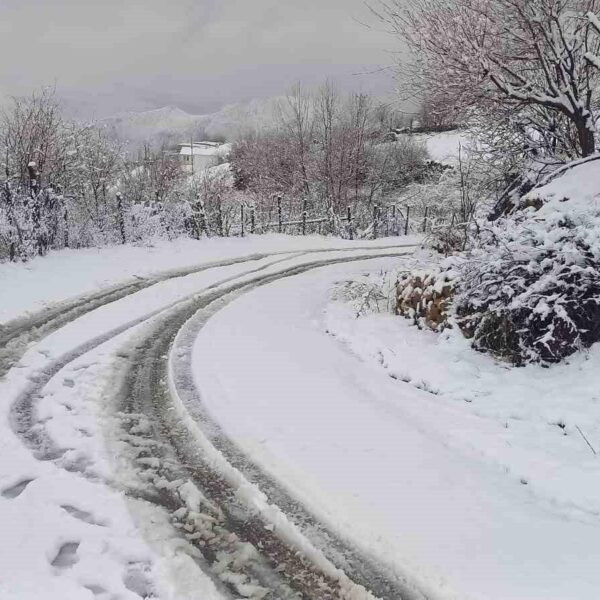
(488, 53)
(531, 291)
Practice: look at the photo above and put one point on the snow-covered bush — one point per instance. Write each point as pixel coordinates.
(531, 291)
(31, 222)
(374, 292)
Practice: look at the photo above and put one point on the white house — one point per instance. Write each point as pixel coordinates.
(198, 156)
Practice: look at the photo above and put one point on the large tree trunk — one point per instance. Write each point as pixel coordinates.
(587, 138)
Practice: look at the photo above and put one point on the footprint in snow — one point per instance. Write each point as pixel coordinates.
(67, 556)
(97, 590)
(16, 490)
(81, 515)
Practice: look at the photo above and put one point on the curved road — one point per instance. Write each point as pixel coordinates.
(176, 450)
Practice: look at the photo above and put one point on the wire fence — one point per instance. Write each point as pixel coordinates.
(380, 220)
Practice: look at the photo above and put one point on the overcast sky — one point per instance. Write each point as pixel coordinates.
(107, 56)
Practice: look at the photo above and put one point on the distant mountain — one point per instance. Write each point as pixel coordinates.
(170, 125)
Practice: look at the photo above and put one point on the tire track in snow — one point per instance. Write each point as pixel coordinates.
(257, 548)
(365, 571)
(22, 415)
(17, 334)
(155, 428)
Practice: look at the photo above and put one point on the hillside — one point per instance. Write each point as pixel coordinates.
(171, 124)
(167, 124)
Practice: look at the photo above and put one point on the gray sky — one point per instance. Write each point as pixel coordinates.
(106, 56)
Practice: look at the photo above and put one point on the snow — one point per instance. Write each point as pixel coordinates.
(580, 183)
(72, 536)
(68, 529)
(445, 147)
(471, 479)
(67, 273)
(222, 171)
(466, 477)
(198, 151)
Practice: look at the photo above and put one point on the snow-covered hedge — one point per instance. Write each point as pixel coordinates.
(531, 291)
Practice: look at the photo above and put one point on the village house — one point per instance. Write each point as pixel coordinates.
(198, 156)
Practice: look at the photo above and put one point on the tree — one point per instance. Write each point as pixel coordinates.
(537, 57)
(296, 119)
(33, 130)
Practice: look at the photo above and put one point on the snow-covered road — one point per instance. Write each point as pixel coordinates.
(371, 456)
(203, 433)
(110, 488)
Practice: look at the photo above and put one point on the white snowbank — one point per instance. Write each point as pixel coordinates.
(580, 183)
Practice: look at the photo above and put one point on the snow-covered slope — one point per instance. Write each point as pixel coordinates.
(577, 182)
(169, 124)
(445, 147)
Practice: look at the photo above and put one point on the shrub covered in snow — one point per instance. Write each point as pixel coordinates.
(531, 291)
(369, 293)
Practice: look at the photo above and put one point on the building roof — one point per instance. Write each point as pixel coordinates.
(199, 148)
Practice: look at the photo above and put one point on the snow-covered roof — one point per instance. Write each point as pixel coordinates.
(199, 149)
(187, 151)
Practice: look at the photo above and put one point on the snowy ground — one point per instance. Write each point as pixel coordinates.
(66, 273)
(70, 529)
(445, 147)
(469, 478)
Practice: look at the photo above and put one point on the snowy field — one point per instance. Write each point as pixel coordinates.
(471, 479)
(445, 147)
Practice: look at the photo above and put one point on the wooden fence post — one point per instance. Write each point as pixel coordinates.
(387, 221)
(203, 219)
(220, 216)
(350, 232)
(304, 206)
(375, 215)
(406, 221)
(120, 211)
(66, 223)
(242, 220)
(279, 219)
(425, 219)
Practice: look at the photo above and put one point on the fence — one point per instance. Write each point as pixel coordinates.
(383, 221)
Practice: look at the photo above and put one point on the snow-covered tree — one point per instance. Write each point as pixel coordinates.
(539, 57)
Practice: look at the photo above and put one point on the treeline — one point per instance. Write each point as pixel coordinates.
(67, 184)
(327, 152)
